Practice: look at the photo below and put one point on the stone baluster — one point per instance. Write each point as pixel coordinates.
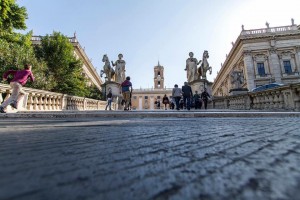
(35, 101)
(29, 102)
(41, 102)
(1, 98)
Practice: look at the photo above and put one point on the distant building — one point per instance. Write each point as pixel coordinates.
(88, 69)
(146, 99)
(261, 56)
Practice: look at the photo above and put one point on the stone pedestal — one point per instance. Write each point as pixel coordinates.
(116, 92)
(199, 85)
(238, 91)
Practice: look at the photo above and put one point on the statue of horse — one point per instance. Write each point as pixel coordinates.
(204, 67)
(107, 69)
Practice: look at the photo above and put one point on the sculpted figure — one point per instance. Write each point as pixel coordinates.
(107, 69)
(120, 69)
(204, 67)
(191, 67)
(237, 78)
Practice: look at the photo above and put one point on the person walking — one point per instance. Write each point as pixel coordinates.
(165, 101)
(187, 95)
(19, 79)
(109, 100)
(126, 92)
(204, 97)
(176, 94)
(197, 100)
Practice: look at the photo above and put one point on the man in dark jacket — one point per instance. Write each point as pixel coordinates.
(204, 97)
(187, 95)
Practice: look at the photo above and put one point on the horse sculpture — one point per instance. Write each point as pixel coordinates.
(204, 67)
(107, 69)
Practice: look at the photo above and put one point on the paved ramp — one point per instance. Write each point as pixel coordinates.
(150, 158)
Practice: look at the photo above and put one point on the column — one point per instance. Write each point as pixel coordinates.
(275, 65)
(140, 103)
(151, 103)
(249, 70)
(297, 58)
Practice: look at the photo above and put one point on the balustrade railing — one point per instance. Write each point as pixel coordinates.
(280, 98)
(269, 30)
(40, 100)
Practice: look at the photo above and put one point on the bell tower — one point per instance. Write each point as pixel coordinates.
(158, 77)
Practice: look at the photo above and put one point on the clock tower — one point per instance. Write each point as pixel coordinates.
(159, 77)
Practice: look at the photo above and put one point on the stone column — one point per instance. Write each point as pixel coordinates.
(140, 103)
(275, 65)
(297, 58)
(249, 67)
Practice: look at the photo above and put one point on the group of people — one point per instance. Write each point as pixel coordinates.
(186, 95)
(126, 87)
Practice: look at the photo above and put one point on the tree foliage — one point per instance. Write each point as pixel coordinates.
(55, 66)
(12, 16)
(58, 53)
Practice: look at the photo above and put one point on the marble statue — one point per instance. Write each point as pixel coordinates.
(191, 67)
(204, 67)
(107, 69)
(237, 79)
(119, 69)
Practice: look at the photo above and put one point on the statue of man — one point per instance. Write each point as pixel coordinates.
(191, 67)
(120, 69)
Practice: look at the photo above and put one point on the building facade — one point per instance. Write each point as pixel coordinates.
(89, 70)
(259, 57)
(145, 99)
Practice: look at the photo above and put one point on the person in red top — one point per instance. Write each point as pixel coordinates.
(20, 79)
(126, 92)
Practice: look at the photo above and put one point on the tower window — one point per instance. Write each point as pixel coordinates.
(146, 97)
(158, 82)
(158, 73)
(261, 69)
(287, 67)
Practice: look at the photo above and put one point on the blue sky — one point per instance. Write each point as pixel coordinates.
(146, 31)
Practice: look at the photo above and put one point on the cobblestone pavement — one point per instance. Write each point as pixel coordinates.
(148, 158)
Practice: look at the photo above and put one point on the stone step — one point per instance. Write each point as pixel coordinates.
(149, 114)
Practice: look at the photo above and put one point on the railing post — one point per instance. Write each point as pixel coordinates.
(64, 102)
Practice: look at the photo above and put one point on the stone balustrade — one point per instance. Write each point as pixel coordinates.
(40, 100)
(281, 98)
(269, 30)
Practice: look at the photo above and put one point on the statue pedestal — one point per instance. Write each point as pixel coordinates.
(199, 85)
(237, 91)
(115, 90)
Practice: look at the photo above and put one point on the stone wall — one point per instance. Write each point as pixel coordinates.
(40, 100)
(284, 98)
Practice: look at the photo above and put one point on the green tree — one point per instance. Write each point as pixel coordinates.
(15, 48)
(57, 51)
(94, 93)
(12, 16)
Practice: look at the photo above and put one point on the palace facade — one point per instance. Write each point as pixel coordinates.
(144, 99)
(259, 57)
